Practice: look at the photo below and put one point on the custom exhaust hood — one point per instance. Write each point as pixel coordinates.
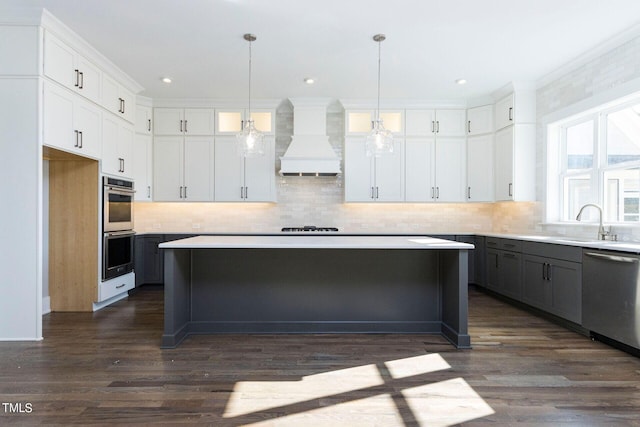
(310, 153)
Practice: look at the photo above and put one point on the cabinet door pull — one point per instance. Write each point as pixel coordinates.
(148, 191)
(77, 84)
(81, 139)
(185, 126)
(149, 125)
(433, 192)
(181, 191)
(81, 80)
(180, 125)
(469, 193)
(185, 191)
(469, 126)
(549, 272)
(77, 144)
(433, 126)
(120, 286)
(246, 193)
(242, 192)
(544, 271)
(510, 189)
(510, 114)
(124, 105)
(437, 126)
(377, 192)
(437, 192)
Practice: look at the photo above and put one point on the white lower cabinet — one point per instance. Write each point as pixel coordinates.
(239, 179)
(435, 169)
(112, 287)
(373, 179)
(117, 146)
(480, 168)
(143, 167)
(70, 122)
(183, 169)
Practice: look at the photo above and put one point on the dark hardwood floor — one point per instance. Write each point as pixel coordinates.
(106, 368)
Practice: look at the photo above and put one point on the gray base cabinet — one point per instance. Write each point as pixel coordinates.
(149, 261)
(504, 266)
(552, 279)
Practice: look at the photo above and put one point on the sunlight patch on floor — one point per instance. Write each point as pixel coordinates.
(384, 395)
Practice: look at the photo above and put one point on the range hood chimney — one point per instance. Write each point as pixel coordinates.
(310, 153)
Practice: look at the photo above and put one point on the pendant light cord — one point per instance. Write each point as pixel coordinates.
(378, 110)
(249, 118)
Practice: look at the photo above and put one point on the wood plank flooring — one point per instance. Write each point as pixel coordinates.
(106, 368)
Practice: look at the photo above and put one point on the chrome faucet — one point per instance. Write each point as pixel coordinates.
(602, 235)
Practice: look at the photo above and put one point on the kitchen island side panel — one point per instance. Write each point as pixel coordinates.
(315, 290)
(177, 296)
(455, 296)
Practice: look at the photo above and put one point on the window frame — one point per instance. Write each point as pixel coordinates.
(559, 174)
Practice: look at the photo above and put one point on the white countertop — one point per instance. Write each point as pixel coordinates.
(314, 242)
(572, 241)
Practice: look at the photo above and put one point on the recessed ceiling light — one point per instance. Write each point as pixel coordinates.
(166, 79)
(309, 80)
(461, 81)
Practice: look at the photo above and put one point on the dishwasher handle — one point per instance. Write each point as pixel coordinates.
(614, 258)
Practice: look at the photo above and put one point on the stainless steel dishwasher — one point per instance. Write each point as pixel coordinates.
(610, 293)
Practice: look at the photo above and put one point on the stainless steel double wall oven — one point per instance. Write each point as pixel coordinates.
(118, 234)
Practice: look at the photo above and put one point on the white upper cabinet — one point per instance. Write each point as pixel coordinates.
(504, 112)
(480, 120)
(143, 167)
(182, 169)
(117, 99)
(70, 122)
(144, 124)
(239, 179)
(435, 122)
(517, 107)
(373, 179)
(231, 121)
(360, 122)
(515, 164)
(67, 67)
(435, 169)
(117, 146)
(480, 168)
(184, 121)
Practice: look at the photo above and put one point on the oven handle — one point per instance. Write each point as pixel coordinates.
(119, 190)
(120, 233)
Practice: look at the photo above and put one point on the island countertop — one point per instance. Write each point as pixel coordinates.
(314, 242)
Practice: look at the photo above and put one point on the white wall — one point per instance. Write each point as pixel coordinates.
(21, 189)
(20, 215)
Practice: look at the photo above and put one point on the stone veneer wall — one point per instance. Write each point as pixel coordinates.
(605, 73)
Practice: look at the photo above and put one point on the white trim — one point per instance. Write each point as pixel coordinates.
(391, 104)
(102, 304)
(46, 305)
(589, 55)
(216, 103)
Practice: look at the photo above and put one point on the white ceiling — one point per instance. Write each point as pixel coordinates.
(430, 43)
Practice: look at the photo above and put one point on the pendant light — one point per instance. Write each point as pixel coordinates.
(250, 139)
(380, 140)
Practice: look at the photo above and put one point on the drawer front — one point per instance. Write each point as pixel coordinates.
(113, 287)
(504, 244)
(553, 250)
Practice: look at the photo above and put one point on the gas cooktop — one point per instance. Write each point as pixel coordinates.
(309, 228)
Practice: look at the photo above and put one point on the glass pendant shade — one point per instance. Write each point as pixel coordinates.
(379, 141)
(250, 141)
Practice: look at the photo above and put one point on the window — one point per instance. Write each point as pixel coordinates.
(598, 156)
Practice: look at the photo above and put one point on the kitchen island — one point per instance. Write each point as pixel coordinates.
(315, 284)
